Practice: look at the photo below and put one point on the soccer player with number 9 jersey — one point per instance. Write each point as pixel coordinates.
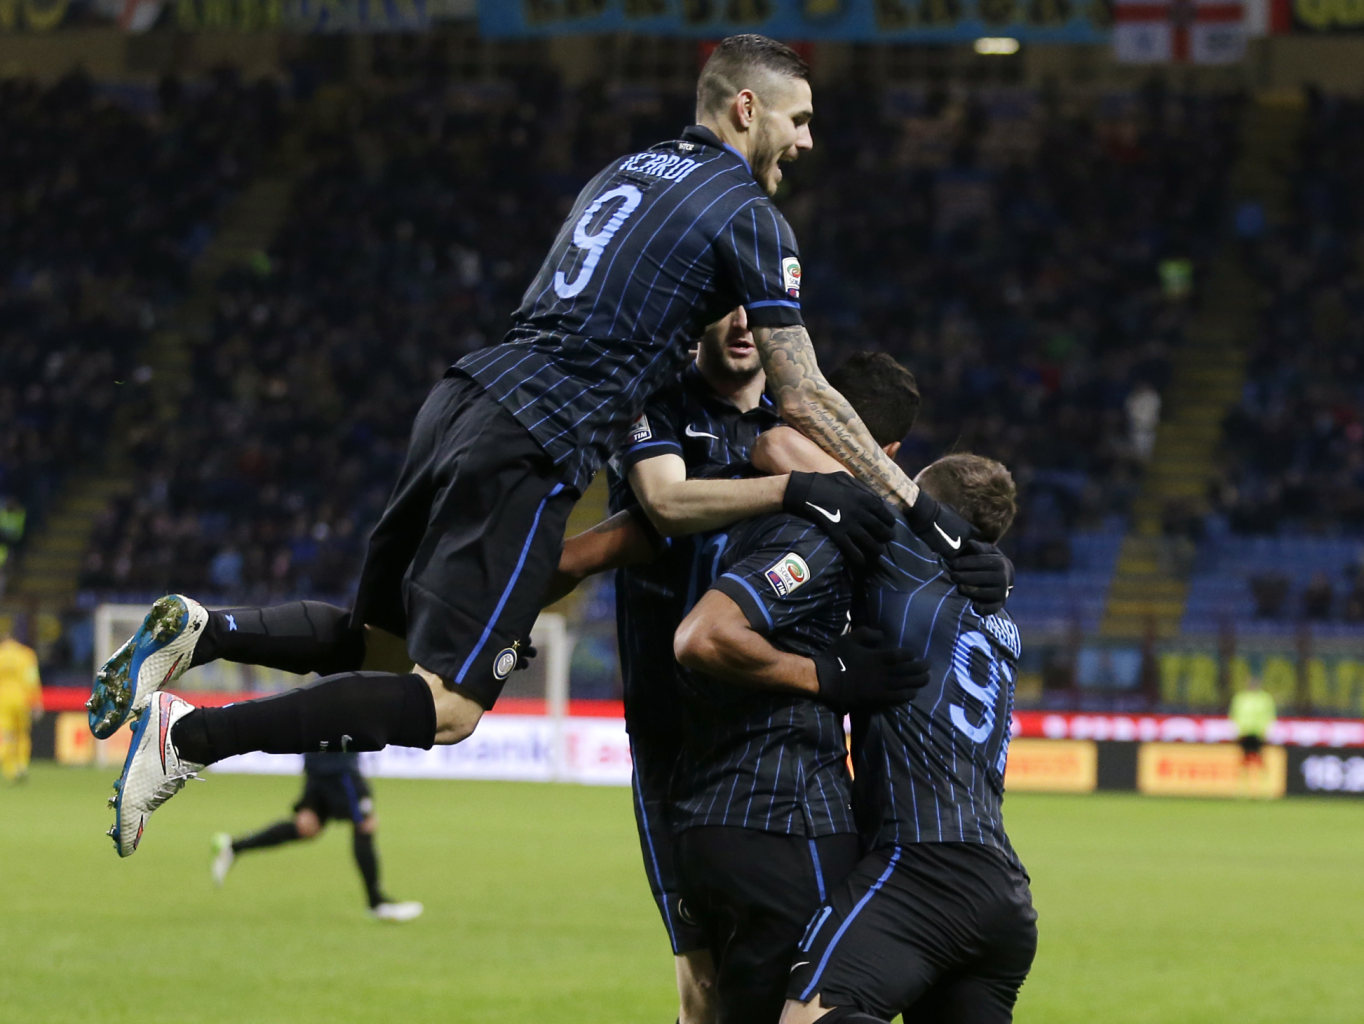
(658, 245)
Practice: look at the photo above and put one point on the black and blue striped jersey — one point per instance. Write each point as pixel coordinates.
(714, 439)
(755, 759)
(932, 770)
(658, 245)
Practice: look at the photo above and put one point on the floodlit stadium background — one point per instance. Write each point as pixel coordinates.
(238, 240)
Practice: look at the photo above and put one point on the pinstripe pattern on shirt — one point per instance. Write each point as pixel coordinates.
(644, 261)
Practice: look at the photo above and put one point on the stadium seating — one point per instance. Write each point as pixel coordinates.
(106, 197)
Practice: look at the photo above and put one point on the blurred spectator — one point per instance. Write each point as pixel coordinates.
(1143, 418)
(1354, 600)
(1270, 591)
(1317, 598)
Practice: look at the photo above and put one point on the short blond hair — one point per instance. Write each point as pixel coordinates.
(981, 489)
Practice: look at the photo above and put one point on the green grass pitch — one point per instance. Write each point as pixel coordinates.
(1151, 910)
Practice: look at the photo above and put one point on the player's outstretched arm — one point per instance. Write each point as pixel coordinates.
(856, 672)
(811, 404)
(787, 450)
(614, 543)
(677, 505)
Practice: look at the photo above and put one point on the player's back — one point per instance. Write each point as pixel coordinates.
(932, 770)
(658, 245)
(767, 760)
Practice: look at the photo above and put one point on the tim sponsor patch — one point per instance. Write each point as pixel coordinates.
(640, 430)
(790, 276)
(788, 573)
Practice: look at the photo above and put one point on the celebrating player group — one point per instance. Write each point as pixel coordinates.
(763, 534)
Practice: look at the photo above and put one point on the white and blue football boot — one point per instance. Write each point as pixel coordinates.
(152, 658)
(153, 772)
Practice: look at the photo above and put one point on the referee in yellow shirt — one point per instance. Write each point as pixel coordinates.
(1252, 711)
(21, 703)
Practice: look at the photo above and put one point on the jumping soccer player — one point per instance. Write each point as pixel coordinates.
(658, 245)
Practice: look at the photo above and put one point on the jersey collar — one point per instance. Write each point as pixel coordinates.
(706, 137)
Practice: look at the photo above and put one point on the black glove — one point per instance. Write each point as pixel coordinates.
(857, 672)
(983, 574)
(939, 526)
(853, 516)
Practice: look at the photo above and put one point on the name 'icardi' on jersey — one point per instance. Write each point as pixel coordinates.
(658, 245)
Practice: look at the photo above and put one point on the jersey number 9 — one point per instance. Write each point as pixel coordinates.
(593, 242)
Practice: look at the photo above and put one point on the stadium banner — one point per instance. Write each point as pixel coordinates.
(885, 21)
(1076, 725)
(1052, 766)
(1338, 772)
(1317, 17)
(1209, 769)
(516, 748)
(36, 15)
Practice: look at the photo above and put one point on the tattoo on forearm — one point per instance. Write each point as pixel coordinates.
(822, 414)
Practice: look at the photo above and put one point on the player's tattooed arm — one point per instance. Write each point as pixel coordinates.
(810, 404)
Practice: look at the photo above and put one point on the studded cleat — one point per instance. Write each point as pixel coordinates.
(152, 773)
(152, 658)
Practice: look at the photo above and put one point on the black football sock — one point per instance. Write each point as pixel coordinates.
(272, 835)
(350, 711)
(362, 843)
(302, 637)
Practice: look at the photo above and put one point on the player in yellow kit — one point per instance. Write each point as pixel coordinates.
(21, 701)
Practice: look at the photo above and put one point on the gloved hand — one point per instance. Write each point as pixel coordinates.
(983, 574)
(855, 519)
(857, 672)
(939, 526)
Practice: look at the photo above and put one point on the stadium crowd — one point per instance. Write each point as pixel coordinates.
(965, 235)
(104, 203)
(1294, 445)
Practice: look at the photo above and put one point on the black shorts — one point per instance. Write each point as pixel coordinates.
(463, 554)
(753, 893)
(945, 928)
(1251, 745)
(654, 757)
(344, 795)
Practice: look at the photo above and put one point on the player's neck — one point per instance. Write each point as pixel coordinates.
(744, 395)
(730, 135)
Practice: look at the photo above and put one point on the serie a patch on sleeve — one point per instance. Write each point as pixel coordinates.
(789, 572)
(640, 430)
(790, 276)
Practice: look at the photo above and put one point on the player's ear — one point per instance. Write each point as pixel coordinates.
(744, 109)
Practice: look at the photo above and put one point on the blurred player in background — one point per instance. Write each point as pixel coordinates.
(658, 245)
(1253, 714)
(21, 704)
(333, 788)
